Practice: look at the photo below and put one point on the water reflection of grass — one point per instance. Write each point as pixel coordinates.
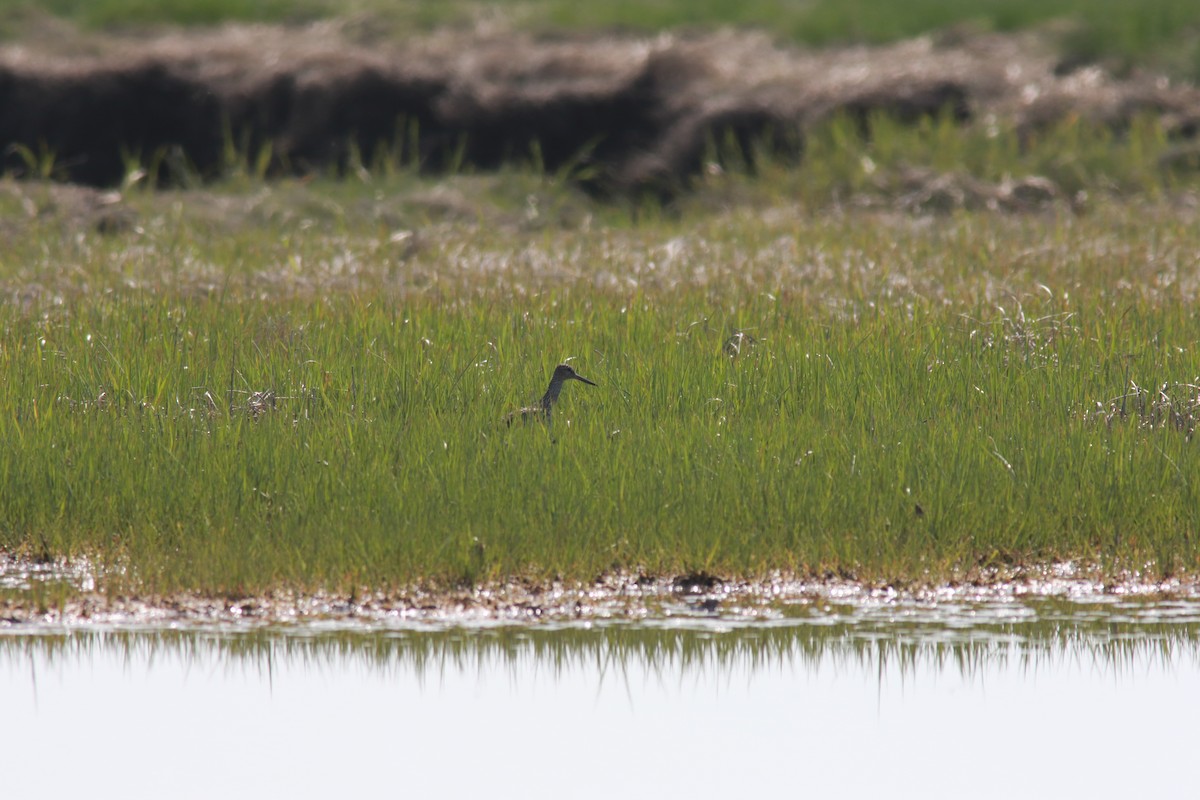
(1097, 641)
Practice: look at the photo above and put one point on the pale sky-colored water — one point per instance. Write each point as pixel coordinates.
(666, 714)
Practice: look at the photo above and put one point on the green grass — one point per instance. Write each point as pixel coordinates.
(303, 387)
(1163, 32)
(301, 383)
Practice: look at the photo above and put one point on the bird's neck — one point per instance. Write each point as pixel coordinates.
(551, 395)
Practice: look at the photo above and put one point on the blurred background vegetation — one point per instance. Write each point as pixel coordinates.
(1159, 34)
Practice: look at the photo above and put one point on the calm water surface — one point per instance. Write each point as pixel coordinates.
(1040, 699)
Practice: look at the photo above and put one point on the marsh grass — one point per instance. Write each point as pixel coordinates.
(233, 445)
(301, 383)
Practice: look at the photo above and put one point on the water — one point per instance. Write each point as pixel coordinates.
(1029, 699)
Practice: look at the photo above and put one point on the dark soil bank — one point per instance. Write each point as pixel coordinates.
(622, 113)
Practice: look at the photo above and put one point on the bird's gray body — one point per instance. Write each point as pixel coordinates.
(562, 374)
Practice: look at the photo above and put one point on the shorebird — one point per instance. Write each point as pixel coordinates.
(562, 374)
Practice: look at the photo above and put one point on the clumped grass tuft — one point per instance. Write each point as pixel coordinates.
(1175, 406)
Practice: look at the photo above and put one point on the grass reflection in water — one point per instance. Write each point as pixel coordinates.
(1109, 637)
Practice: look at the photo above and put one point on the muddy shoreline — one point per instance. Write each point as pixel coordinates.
(615, 597)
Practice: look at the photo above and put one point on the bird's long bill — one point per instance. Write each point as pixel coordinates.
(579, 377)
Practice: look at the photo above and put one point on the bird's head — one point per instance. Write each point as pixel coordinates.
(565, 372)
